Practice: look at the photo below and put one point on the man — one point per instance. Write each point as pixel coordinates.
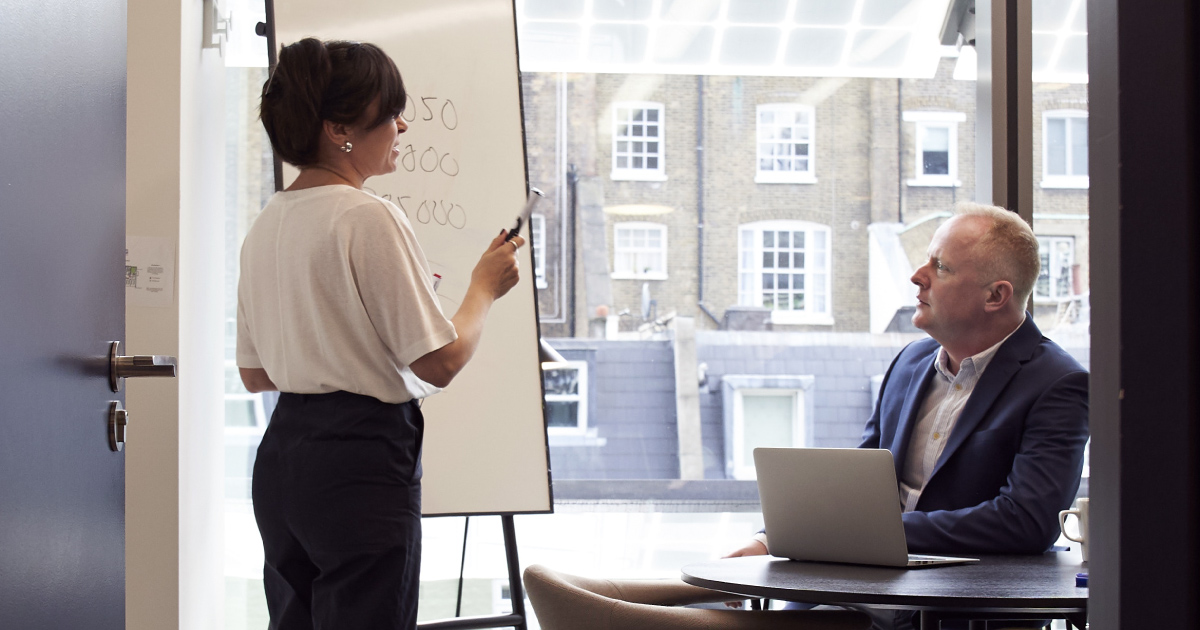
(987, 419)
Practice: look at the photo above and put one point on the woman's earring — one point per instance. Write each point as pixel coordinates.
(346, 148)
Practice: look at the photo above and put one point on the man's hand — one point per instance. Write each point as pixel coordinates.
(752, 548)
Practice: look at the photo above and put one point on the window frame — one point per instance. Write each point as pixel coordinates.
(1045, 244)
(628, 173)
(622, 274)
(754, 297)
(734, 389)
(808, 176)
(1069, 180)
(581, 418)
(537, 232)
(924, 122)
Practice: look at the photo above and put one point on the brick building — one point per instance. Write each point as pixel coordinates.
(860, 170)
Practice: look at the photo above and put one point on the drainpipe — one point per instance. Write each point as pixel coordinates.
(700, 200)
(900, 150)
(572, 209)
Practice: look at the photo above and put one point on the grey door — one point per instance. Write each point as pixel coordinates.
(62, 235)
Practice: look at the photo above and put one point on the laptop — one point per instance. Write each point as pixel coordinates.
(835, 505)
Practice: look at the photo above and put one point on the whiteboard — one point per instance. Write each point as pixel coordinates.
(461, 178)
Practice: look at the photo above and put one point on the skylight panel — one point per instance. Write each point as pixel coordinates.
(623, 10)
(690, 10)
(815, 47)
(618, 43)
(758, 12)
(550, 40)
(1073, 58)
(890, 13)
(553, 9)
(681, 44)
(823, 12)
(750, 45)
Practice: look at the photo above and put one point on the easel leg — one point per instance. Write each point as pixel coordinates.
(516, 589)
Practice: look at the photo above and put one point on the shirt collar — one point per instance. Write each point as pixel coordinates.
(976, 363)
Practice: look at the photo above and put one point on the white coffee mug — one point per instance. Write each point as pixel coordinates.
(1080, 512)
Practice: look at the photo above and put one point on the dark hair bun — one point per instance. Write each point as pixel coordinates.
(315, 81)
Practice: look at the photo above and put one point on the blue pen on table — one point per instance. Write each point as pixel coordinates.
(535, 195)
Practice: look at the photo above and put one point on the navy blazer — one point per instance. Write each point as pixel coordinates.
(1014, 456)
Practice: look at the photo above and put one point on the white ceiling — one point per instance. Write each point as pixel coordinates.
(814, 38)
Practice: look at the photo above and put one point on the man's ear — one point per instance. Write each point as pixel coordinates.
(337, 133)
(999, 294)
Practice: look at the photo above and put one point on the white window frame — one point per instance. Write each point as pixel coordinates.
(628, 172)
(634, 274)
(749, 261)
(942, 120)
(1069, 180)
(581, 426)
(766, 135)
(734, 389)
(537, 231)
(1046, 244)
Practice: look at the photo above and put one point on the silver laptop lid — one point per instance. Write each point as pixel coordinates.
(831, 505)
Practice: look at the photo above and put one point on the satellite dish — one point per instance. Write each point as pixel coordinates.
(646, 301)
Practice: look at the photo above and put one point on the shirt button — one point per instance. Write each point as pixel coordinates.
(937, 436)
(958, 388)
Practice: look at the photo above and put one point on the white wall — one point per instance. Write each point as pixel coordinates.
(175, 190)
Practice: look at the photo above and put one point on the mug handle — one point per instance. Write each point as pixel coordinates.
(1062, 524)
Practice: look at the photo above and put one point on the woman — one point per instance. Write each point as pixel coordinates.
(336, 310)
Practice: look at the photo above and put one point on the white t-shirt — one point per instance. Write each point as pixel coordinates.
(336, 294)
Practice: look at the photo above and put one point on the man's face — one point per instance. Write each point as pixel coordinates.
(950, 292)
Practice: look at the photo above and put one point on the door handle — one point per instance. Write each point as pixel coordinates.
(122, 367)
(118, 420)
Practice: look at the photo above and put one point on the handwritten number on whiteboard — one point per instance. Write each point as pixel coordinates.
(449, 115)
(409, 159)
(429, 160)
(407, 102)
(429, 112)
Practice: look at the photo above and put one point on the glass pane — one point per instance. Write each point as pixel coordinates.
(239, 412)
(561, 381)
(1079, 146)
(767, 421)
(936, 163)
(1056, 146)
(937, 139)
(561, 413)
(783, 239)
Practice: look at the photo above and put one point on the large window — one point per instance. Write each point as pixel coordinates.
(784, 266)
(785, 144)
(1065, 149)
(640, 251)
(936, 135)
(1056, 280)
(637, 147)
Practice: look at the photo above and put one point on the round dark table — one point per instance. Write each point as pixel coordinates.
(1011, 587)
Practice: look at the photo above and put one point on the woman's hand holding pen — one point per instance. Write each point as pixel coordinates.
(497, 270)
(493, 276)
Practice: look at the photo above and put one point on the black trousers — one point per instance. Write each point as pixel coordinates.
(337, 497)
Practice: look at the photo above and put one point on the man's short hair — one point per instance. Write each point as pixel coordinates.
(1008, 250)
